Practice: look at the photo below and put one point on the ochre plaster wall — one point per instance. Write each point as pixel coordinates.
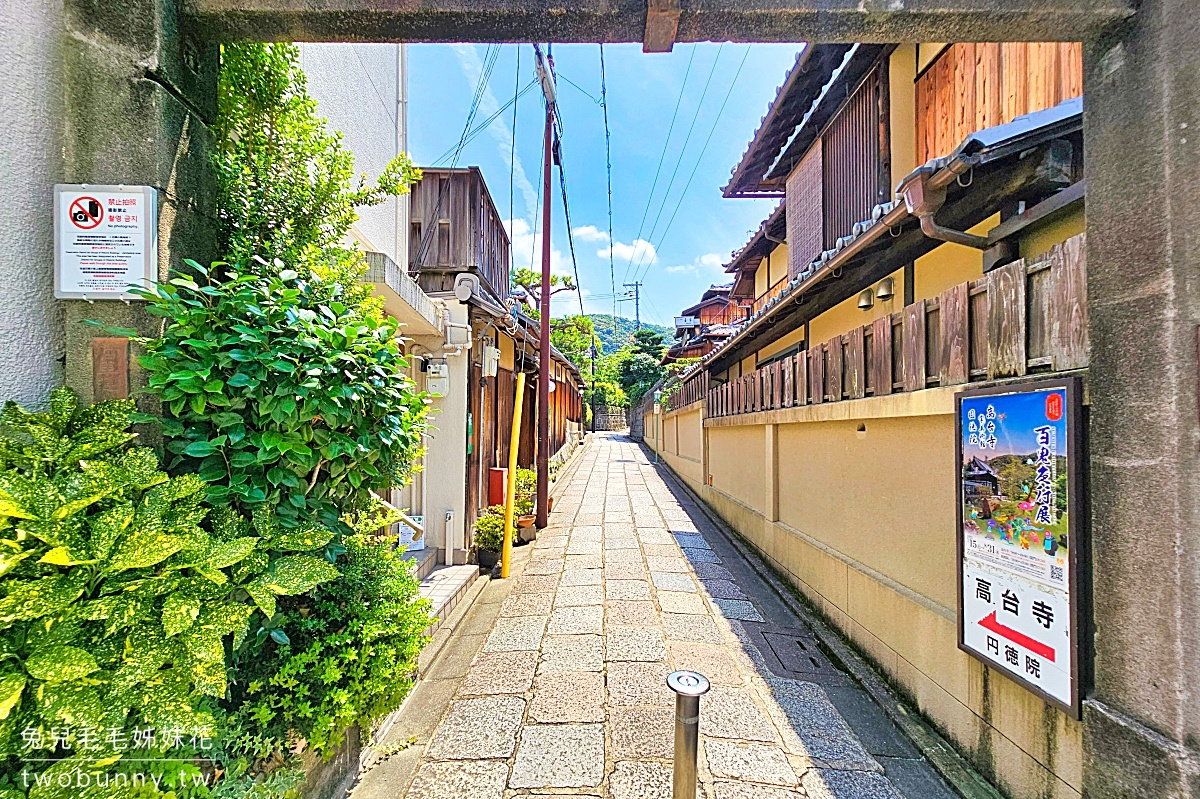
(778, 265)
(846, 315)
(859, 496)
(740, 470)
(902, 99)
(1040, 239)
(866, 531)
(950, 264)
(781, 344)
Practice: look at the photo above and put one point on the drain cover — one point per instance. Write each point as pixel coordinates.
(798, 654)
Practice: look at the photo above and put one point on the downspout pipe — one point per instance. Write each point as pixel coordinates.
(924, 194)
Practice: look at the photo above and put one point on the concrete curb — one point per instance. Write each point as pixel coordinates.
(940, 753)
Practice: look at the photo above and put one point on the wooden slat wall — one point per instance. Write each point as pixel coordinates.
(850, 162)
(1020, 318)
(976, 85)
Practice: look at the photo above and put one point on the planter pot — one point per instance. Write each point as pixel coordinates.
(526, 521)
(487, 558)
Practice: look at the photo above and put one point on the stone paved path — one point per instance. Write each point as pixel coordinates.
(557, 685)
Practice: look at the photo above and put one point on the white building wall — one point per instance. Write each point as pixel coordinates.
(31, 327)
(362, 90)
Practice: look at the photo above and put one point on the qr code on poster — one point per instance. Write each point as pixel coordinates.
(1056, 573)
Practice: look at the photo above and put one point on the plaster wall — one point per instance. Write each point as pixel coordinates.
(781, 344)
(846, 315)
(950, 264)
(902, 99)
(737, 465)
(31, 110)
(871, 491)
(865, 530)
(362, 89)
(446, 455)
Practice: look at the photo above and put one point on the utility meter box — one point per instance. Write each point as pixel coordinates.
(437, 378)
(491, 361)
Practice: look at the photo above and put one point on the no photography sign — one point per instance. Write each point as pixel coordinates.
(106, 241)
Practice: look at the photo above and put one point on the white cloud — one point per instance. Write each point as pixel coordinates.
(590, 233)
(639, 253)
(527, 249)
(710, 262)
(501, 133)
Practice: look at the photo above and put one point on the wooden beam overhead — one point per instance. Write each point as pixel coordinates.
(662, 24)
(616, 21)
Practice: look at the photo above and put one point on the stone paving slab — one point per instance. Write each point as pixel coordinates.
(568, 694)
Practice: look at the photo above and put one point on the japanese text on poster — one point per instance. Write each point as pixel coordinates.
(1016, 542)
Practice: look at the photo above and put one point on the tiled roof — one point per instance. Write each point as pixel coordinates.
(989, 144)
(801, 86)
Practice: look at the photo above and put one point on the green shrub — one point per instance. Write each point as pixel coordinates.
(302, 410)
(526, 493)
(350, 649)
(489, 529)
(116, 602)
(287, 189)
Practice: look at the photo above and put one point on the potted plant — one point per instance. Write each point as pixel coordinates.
(525, 492)
(489, 536)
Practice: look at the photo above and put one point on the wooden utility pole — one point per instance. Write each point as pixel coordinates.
(546, 76)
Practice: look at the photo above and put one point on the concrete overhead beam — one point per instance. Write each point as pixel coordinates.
(649, 21)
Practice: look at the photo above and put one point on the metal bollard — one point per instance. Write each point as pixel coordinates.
(688, 687)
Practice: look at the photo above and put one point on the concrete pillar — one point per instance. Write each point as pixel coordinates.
(771, 483)
(1142, 135)
(137, 99)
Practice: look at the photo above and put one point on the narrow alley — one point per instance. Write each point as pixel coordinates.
(555, 682)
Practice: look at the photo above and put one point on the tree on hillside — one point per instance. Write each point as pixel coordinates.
(573, 336)
(648, 342)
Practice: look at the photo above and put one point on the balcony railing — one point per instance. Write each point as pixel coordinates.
(1019, 319)
(771, 294)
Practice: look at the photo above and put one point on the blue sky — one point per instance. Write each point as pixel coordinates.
(676, 258)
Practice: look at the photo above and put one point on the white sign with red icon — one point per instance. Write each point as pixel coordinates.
(106, 241)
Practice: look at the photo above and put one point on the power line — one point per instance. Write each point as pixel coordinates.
(512, 160)
(661, 157)
(703, 149)
(489, 63)
(485, 124)
(641, 257)
(612, 270)
(582, 90)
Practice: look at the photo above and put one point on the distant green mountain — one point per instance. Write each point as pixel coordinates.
(615, 332)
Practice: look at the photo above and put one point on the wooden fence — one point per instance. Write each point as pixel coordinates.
(1021, 318)
(691, 390)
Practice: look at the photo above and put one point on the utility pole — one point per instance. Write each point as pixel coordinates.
(546, 76)
(637, 303)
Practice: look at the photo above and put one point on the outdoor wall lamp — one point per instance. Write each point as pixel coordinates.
(866, 300)
(886, 289)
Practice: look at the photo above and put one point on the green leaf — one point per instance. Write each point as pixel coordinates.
(199, 449)
(36, 598)
(296, 574)
(179, 611)
(220, 556)
(11, 688)
(61, 664)
(61, 556)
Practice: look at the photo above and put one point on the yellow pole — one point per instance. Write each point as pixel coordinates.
(510, 495)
